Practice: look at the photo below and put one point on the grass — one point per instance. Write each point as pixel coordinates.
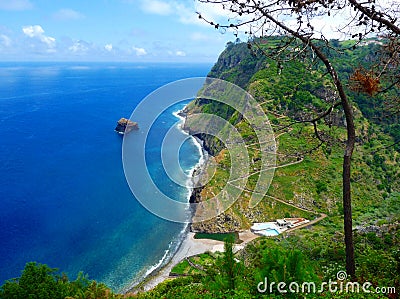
(203, 260)
(181, 268)
(218, 237)
(314, 183)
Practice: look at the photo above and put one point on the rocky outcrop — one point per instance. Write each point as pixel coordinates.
(223, 223)
(210, 144)
(125, 126)
(379, 230)
(237, 64)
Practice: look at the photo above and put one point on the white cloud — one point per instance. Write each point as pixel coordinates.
(187, 15)
(79, 47)
(5, 40)
(108, 47)
(139, 51)
(66, 14)
(15, 4)
(324, 25)
(328, 26)
(180, 53)
(37, 32)
(210, 11)
(157, 7)
(215, 10)
(186, 11)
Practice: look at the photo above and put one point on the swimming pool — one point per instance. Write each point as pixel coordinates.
(268, 232)
(263, 226)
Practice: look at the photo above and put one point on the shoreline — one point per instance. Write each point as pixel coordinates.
(184, 241)
(188, 246)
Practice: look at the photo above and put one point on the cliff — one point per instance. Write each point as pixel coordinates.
(307, 179)
(237, 64)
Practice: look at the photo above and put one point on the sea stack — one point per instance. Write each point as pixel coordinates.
(124, 126)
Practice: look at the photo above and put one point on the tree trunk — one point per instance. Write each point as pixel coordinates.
(348, 221)
(351, 138)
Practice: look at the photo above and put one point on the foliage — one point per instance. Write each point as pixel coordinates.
(315, 254)
(226, 272)
(39, 281)
(36, 281)
(303, 256)
(364, 81)
(218, 237)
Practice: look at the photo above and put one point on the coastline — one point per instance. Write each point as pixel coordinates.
(189, 246)
(160, 271)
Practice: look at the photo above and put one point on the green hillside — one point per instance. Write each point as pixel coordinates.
(307, 183)
(312, 179)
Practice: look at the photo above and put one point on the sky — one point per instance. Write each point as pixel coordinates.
(109, 30)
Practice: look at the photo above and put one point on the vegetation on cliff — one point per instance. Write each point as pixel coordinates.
(307, 179)
(307, 183)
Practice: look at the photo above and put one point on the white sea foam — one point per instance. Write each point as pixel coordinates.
(159, 263)
(168, 254)
(198, 144)
(175, 244)
(173, 248)
(181, 120)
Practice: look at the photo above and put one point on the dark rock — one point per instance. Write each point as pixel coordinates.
(125, 126)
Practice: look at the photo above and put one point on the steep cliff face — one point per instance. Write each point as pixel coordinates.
(210, 143)
(308, 177)
(237, 64)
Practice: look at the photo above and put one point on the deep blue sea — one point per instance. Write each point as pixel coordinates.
(64, 200)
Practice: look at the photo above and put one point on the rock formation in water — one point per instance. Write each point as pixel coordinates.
(125, 126)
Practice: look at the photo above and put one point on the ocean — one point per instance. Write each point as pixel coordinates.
(64, 200)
